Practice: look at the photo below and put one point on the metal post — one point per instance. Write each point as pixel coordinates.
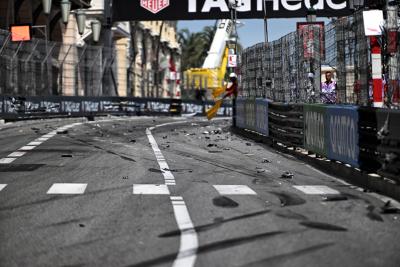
(107, 45)
(265, 22)
(393, 64)
(376, 55)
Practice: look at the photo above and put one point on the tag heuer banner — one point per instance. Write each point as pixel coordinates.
(125, 10)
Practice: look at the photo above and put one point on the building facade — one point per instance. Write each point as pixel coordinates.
(135, 58)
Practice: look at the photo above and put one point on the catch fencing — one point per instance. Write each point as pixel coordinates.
(41, 67)
(291, 68)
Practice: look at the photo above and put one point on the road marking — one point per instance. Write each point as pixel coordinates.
(67, 189)
(42, 139)
(316, 190)
(188, 242)
(2, 186)
(164, 168)
(6, 160)
(17, 154)
(150, 189)
(234, 190)
(27, 147)
(35, 143)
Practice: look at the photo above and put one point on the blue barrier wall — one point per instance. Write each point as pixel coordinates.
(315, 128)
(262, 116)
(250, 114)
(341, 132)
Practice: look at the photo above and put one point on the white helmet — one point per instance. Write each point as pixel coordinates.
(232, 75)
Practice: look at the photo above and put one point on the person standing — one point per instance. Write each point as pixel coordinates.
(328, 90)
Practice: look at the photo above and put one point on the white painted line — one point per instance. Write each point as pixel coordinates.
(160, 158)
(42, 139)
(2, 186)
(27, 147)
(67, 189)
(189, 242)
(48, 135)
(6, 160)
(35, 143)
(17, 154)
(234, 190)
(316, 190)
(150, 189)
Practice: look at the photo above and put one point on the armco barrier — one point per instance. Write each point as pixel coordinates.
(17, 108)
(388, 126)
(285, 123)
(366, 138)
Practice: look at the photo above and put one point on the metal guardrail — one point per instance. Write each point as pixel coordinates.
(286, 123)
(365, 138)
(22, 108)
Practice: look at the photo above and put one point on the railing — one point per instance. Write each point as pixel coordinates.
(364, 138)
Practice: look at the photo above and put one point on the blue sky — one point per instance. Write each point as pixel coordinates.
(253, 30)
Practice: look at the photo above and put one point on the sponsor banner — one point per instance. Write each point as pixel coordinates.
(314, 128)
(262, 116)
(307, 32)
(250, 114)
(342, 134)
(126, 10)
(19, 107)
(240, 113)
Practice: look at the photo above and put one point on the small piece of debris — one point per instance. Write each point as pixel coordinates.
(266, 161)
(248, 144)
(334, 198)
(389, 209)
(287, 175)
(62, 132)
(165, 137)
(66, 156)
(205, 132)
(125, 177)
(211, 145)
(132, 141)
(81, 225)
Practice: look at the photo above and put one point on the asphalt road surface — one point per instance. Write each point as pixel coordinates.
(176, 192)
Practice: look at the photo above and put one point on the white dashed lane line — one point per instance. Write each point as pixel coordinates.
(67, 189)
(2, 186)
(316, 190)
(234, 190)
(150, 189)
(33, 144)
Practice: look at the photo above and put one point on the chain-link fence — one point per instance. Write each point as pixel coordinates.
(281, 70)
(40, 67)
(291, 69)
